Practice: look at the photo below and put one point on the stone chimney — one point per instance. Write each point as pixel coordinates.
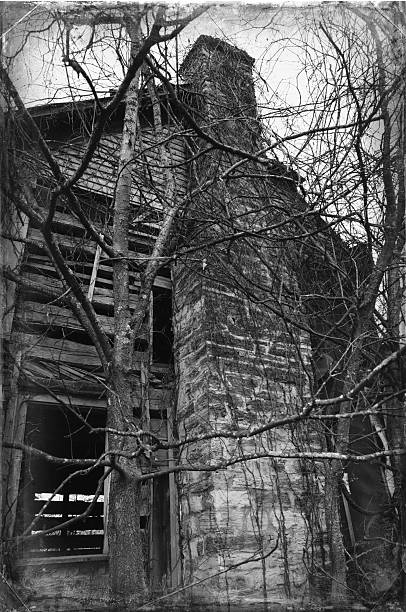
(221, 76)
(235, 363)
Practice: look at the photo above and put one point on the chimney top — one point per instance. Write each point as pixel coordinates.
(213, 45)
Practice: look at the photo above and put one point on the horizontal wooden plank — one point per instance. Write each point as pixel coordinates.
(60, 350)
(77, 250)
(77, 556)
(41, 264)
(48, 272)
(47, 370)
(44, 557)
(68, 224)
(66, 542)
(92, 523)
(104, 298)
(30, 293)
(72, 508)
(47, 281)
(76, 388)
(80, 355)
(31, 312)
(99, 403)
(79, 245)
(41, 397)
(93, 392)
(84, 245)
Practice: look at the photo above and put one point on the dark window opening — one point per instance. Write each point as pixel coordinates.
(160, 555)
(61, 434)
(162, 326)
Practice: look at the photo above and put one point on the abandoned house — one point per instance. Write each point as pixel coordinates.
(223, 357)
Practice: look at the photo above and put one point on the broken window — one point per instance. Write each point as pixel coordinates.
(53, 494)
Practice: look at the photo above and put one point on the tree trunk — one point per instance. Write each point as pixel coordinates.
(339, 591)
(127, 565)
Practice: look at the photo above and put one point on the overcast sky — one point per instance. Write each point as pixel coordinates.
(40, 75)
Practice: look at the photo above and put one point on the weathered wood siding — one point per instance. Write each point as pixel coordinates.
(58, 367)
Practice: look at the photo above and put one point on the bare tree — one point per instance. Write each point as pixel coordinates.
(316, 262)
(118, 359)
(356, 110)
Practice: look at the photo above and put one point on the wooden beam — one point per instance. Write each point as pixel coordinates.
(157, 405)
(60, 351)
(175, 565)
(79, 402)
(64, 223)
(46, 315)
(138, 243)
(15, 431)
(95, 268)
(52, 281)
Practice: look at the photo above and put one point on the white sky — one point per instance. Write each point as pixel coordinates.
(40, 75)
